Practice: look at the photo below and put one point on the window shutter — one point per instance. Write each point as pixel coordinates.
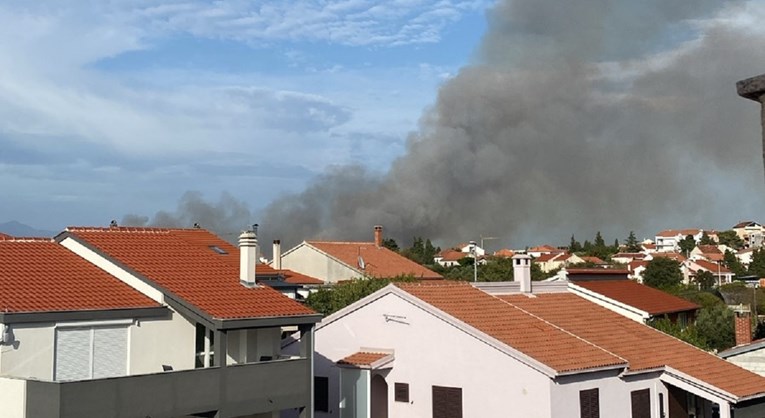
(447, 402)
(589, 403)
(641, 403)
(401, 392)
(109, 352)
(72, 354)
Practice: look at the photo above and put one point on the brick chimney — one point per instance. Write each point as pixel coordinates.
(378, 236)
(743, 324)
(277, 263)
(754, 89)
(522, 271)
(248, 256)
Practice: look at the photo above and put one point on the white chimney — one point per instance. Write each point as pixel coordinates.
(522, 271)
(248, 256)
(277, 263)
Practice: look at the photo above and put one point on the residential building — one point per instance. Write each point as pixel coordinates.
(751, 232)
(648, 247)
(636, 269)
(721, 273)
(504, 253)
(708, 252)
(625, 258)
(538, 350)
(669, 239)
(634, 300)
(539, 250)
(745, 255)
(449, 257)
(335, 261)
(146, 322)
(553, 261)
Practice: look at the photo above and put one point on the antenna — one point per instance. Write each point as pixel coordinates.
(362, 264)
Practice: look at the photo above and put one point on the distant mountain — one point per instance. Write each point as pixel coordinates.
(18, 229)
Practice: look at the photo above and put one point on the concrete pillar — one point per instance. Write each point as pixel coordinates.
(754, 89)
(306, 351)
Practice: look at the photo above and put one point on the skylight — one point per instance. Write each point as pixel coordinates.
(218, 250)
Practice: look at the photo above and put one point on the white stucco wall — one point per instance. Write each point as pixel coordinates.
(752, 360)
(13, 400)
(429, 351)
(614, 393)
(157, 342)
(311, 262)
(152, 343)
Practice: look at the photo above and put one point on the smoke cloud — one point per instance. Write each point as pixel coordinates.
(579, 116)
(227, 218)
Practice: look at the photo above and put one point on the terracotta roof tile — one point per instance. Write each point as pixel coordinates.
(526, 333)
(504, 253)
(645, 298)
(183, 262)
(543, 258)
(711, 267)
(676, 232)
(363, 359)
(644, 347)
(39, 275)
(594, 260)
(379, 261)
(299, 278)
(670, 254)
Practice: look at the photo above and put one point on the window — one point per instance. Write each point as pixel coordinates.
(321, 394)
(589, 403)
(447, 402)
(204, 347)
(401, 392)
(218, 250)
(641, 403)
(90, 353)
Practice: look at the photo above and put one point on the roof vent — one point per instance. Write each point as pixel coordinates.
(248, 256)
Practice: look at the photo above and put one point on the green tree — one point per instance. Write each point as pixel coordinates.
(731, 239)
(687, 244)
(599, 242)
(705, 280)
(331, 299)
(574, 246)
(422, 251)
(715, 326)
(688, 334)
(632, 244)
(390, 244)
(663, 273)
(733, 264)
(757, 266)
(587, 247)
(706, 239)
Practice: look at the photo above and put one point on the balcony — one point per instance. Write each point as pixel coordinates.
(231, 391)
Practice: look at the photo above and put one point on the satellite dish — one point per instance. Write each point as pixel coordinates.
(362, 264)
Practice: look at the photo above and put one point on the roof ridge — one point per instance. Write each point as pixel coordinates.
(26, 239)
(558, 327)
(340, 242)
(145, 229)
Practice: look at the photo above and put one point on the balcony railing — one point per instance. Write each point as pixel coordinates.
(232, 391)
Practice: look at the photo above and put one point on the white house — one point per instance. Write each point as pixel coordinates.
(692, 267)
(669, 239)
(146, 322)
(334, 261)
(448, 349)
(751, 232)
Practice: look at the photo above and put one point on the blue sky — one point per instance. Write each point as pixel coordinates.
(111, 108)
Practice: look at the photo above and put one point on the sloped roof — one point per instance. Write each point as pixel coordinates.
(644, 298)
(642, 346)
(184, 263)
(366, 360)
(744, 224)
(676, 232)
(543, 258)
(710, 266)
(506, 253)
(294, 277)
(543, 248)
(38, 275)
(629, 255)
(452, 255)
(5, 236)
(379, 261)
(592, 259)
(536, 338)
(709, 249)
(669, 254)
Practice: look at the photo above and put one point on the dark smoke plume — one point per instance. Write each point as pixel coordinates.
(227, 218)
(576, 118)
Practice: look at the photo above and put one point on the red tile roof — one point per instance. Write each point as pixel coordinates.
(593, 260)
(543, 258)
(744, 224)
(182, 262)
(629, 255)
(644, 347)
(710, 266)
(599, 271)
(676, 232)
(379, 261)
(709, 249)
(526, 333)
(298, 278)
(645, 298)
(39, 275)
(543, 248)
(363, 359)
(505, 253)
(669, 254)
(452, 255)
(4, 236)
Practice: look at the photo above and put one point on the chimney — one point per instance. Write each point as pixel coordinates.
(522, 271)
(378, 236)
(248, 256)
(754, 89)
(277, 263)
(743, 324)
